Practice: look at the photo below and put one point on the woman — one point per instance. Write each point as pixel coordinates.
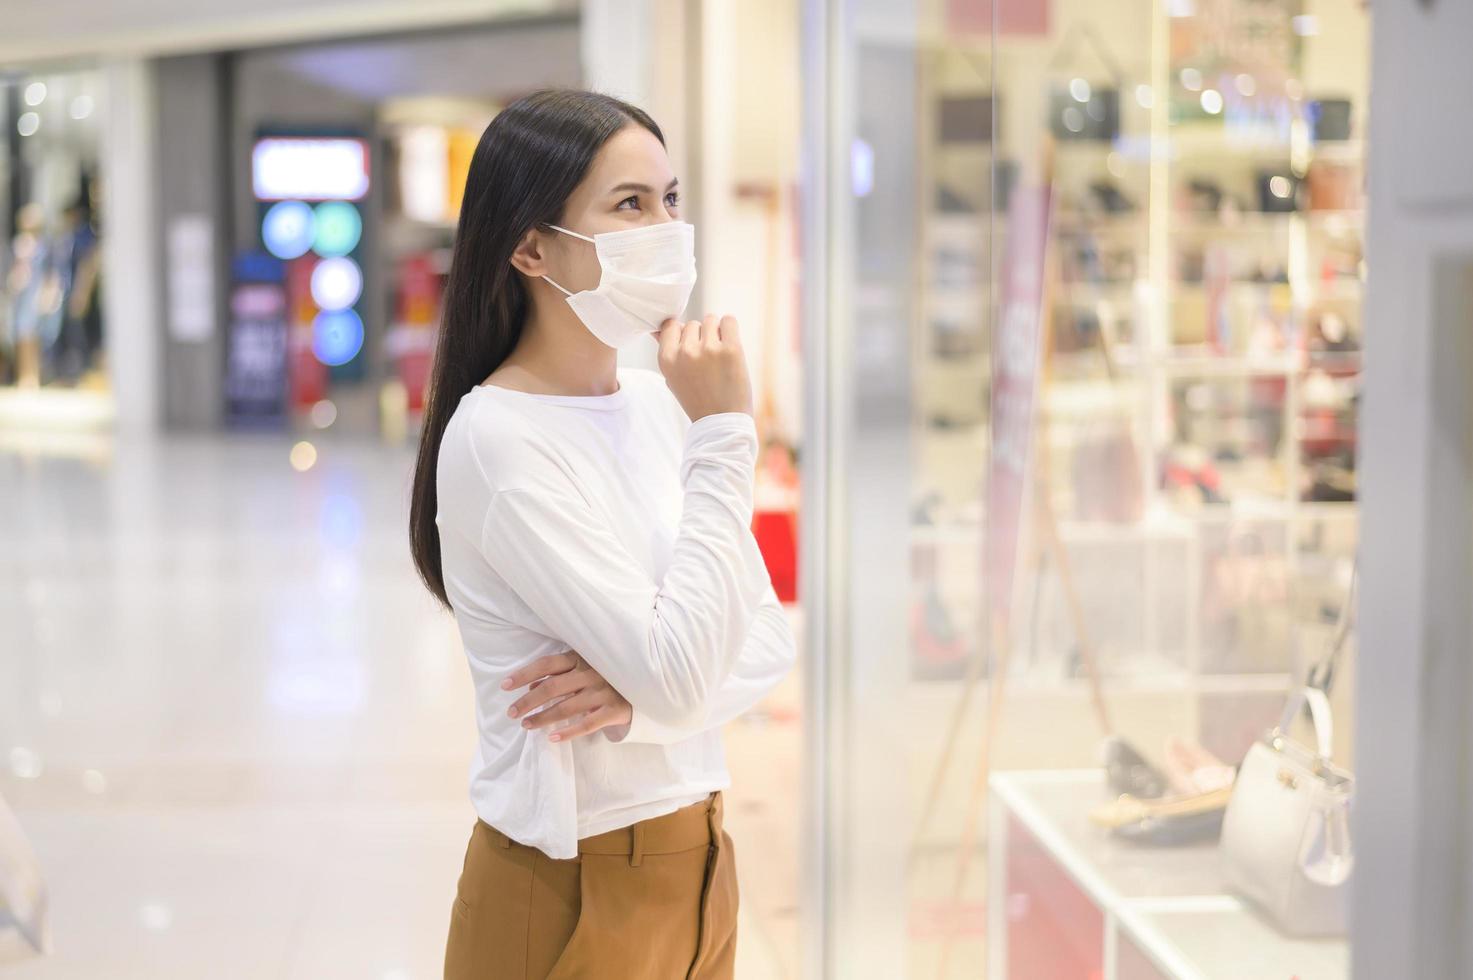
(589, 526)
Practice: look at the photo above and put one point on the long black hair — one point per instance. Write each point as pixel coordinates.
(529, 160)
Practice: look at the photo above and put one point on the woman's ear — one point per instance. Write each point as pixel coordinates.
(527, 257)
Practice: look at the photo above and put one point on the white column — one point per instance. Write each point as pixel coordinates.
(616, 47)
(129, 242)
(1412, 898)
(635, 50)
(856, 486)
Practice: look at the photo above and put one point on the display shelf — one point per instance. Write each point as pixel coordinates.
(1170, 904)
(1338, 290)
(1163, 523)
(1198, 142)
(1076, 223)
(1211, 366)
(1340, 151)
(1218, 221)
(938, 694)
(1141, 386)
(1161, 527)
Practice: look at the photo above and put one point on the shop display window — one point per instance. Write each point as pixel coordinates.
(52, 331)
(1132, 281)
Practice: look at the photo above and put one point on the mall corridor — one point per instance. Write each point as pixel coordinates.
(239, 730)
(1032, 437)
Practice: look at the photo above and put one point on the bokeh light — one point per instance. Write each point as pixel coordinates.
(287, 229)
(339, 227)
(324, 414)
(336, 283)
(303, 456)
(337, 336)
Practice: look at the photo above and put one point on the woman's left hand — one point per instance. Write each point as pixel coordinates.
(565, 687)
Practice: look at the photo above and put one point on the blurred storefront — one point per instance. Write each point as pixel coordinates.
(334, 197)
(1086, 309)
(52, 326)
(252, 302)
(230, 298)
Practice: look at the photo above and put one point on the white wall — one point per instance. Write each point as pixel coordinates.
(129, 264)
(750, 97)
(1413, 822)
(36, 30)
(638, 51)
(721, 79)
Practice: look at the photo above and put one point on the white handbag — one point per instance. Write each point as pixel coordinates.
(1286, 835)
(25, 929)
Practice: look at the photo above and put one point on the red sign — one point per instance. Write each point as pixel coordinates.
(1016, 351)
(1013, 16)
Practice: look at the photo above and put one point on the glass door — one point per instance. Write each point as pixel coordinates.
(1084, 366)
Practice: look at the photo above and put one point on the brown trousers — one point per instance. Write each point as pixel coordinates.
(654, 901)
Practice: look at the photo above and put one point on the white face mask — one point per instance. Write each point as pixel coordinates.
(648, 274)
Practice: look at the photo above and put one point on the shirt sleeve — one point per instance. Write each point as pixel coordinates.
(765, 659)
(666, 646)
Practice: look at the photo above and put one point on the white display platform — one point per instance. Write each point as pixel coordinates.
(1170, 903)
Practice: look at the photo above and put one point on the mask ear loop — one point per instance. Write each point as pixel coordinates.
(565, 231)
(556, 286)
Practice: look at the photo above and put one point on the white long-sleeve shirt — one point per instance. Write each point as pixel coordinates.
(613, 526)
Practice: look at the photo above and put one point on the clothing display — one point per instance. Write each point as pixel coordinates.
(580, 522)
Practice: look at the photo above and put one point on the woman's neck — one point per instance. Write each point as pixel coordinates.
(558, 356)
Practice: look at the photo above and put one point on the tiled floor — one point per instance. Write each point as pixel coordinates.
(236, 729)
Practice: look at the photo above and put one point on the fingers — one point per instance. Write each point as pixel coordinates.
(693, 336)
(690, 340)
(711, 331)
(731, 333)
(550, 689)
(598, 718)
(577, 704)
(669, 338)
(553, 663)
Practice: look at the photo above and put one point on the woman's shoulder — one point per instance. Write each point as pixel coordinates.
(491, 439)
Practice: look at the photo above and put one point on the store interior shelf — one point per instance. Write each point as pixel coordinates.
(1211, 366)
(1162, 523)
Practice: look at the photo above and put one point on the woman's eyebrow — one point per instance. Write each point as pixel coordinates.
(642, 188)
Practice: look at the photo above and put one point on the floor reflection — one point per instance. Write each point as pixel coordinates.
(236, 728)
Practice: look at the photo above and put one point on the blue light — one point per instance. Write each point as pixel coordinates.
(337, 336)
(288, 229)
(862, 168)
(341, 521)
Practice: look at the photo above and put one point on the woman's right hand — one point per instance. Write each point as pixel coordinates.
(705, 367)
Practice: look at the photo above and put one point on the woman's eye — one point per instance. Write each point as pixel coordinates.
(672, 200)
(631, 202)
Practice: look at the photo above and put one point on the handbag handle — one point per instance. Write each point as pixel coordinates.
(1319, 714)
(1322, 674)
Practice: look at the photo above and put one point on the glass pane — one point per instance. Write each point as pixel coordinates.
(1188, 530)
(1110, 265)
